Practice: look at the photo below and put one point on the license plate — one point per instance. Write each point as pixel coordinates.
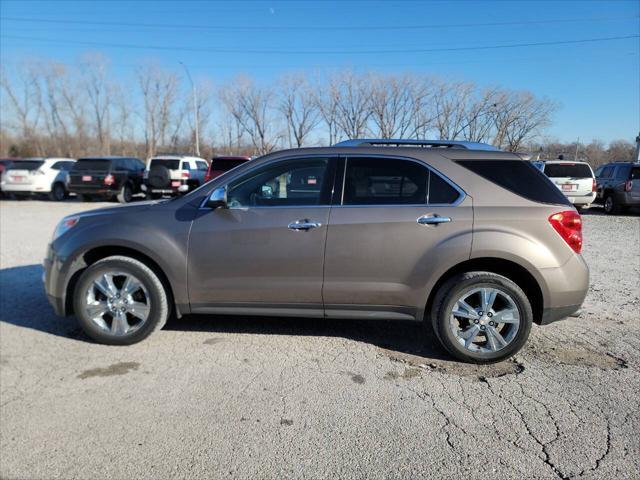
(175, 184)
(568, 186)
(86, 178)
(18, 179)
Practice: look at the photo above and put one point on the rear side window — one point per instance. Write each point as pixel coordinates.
(623, 172)
(91, 164)
(136, 164)
(26, 165)
(519, 177)
(171, 164)
(384, 181)
(203, 166)
(635, 173)
(186, 165)
(224, 165)
(573, 170)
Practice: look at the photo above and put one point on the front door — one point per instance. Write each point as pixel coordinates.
(397, 224)
(265, 253)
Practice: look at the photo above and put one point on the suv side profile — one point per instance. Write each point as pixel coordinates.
(106, 178)
(475, 243)
(38, 176)
(173, 175)
(618, 186)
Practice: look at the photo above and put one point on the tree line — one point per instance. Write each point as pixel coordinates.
(49, 108)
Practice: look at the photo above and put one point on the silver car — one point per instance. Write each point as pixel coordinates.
(475, 243)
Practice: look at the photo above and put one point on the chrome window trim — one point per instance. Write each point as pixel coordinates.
(462, 194)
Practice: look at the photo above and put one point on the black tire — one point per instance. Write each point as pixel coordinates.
(58, 192)
(158, 299)
(448, 295)
(611, 207)
(125, 195)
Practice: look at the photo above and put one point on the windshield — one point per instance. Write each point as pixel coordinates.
(575, 170)
(91, 164)
(26, 165)
(171, 164)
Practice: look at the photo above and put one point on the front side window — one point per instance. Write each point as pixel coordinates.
(606, 173)
(202, 166)
(385, 181)
(287, 183)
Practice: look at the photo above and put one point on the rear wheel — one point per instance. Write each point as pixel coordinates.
(610, 205)
(58, 192)
(125, 194)
(120, 301)
(481, 317)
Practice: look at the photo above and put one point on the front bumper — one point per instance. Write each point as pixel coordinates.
(550, 315)
(53, 279)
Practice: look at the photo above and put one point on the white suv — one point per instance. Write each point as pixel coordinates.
(173, 174)
(33, 176)
(575, 179)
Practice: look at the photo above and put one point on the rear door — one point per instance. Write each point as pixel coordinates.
(385, 237)
(266, 250)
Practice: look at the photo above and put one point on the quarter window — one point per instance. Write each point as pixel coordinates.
(288, 183)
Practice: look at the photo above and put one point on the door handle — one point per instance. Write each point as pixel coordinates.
(303, 225)
(433, 219)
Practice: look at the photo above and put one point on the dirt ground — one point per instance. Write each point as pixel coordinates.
(211, 397)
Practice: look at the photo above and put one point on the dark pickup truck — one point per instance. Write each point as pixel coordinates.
(106, 178)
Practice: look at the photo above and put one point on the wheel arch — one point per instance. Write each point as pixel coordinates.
(507, 268)
(95, 254)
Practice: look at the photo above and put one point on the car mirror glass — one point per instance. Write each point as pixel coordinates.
(218, 198)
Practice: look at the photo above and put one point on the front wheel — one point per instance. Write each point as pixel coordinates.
(481, 317)
(120, 301)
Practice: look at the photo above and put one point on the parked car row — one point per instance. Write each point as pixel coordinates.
(615, 185)
(108, 178)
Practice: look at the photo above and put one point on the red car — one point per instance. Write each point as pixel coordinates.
(219, 165)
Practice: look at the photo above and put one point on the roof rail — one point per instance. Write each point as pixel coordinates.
(397, 142)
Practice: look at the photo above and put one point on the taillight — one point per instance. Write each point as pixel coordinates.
(628, 185)
(109, 180)
(207, 177)
(569, 225)
(185, 174)
(594, 186)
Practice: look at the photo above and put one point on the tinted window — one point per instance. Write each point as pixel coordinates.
(622, 172)
(58, 166)
(440, 191)
(26, 165)
(297, 182)
(574, 170)
(519, 177)
(171, 164)
(136, 164)
(186, 165)
(635, 173)
(91, 164)
(385, 181)
(606, 173)
(224, 165)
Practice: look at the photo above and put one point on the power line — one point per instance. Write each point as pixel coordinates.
(316, 28)
(320, 52)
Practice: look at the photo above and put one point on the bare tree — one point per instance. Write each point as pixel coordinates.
(299, 108)
(99, 91)
(353, 97)
(326, 99)
(159, 90)
(393, 105)
(251, 106)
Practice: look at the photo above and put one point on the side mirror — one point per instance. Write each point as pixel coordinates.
(218, 198)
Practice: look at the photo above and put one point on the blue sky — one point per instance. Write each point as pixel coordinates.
(597, 83)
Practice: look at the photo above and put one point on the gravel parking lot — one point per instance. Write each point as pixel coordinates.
(212, 397)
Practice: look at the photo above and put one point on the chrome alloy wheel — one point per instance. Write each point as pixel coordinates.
(484, 320)
(117, 302)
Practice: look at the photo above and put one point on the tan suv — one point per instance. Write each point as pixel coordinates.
(476, 243)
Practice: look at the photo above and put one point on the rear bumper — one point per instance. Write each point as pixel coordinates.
(564, 289)
(92, 190)
(167, 190)
(582, 199)
(25, 188)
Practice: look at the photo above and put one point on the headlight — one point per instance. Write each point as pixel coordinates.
(65, 225)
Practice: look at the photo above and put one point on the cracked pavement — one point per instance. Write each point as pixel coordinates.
(211, 397)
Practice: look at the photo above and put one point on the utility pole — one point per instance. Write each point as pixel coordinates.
(195, 108)
(637, 159)
(575, 156)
